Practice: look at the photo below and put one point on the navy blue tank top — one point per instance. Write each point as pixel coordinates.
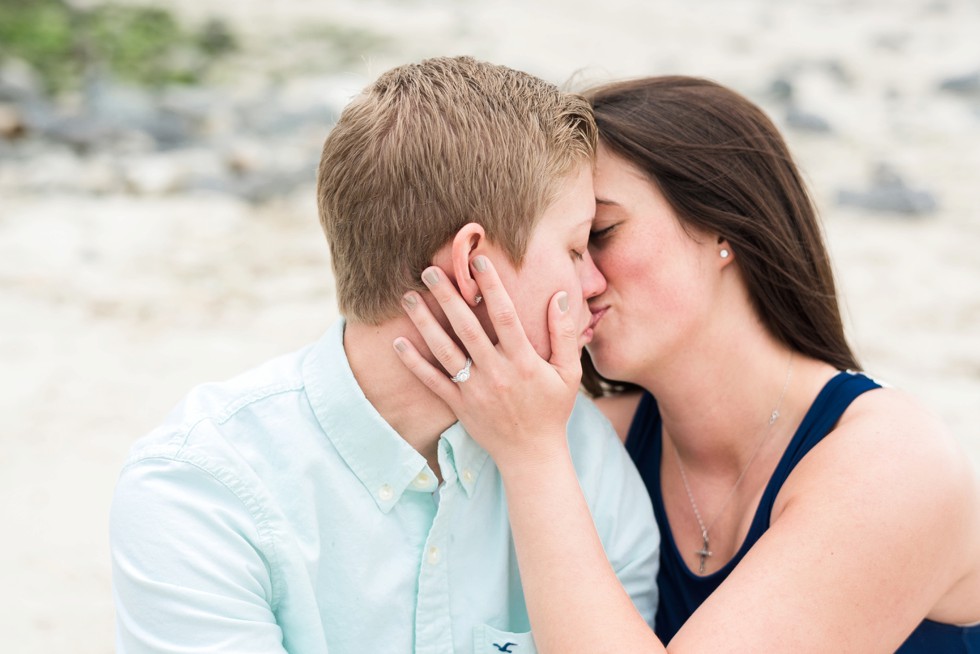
(682, 591)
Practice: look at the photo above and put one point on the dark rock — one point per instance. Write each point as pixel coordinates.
(84, 133)
(889, 194)
(217, 38)
(781, 89)
(968, 84)
(806, 122)
(135, 109)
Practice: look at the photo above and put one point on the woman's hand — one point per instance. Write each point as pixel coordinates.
(514, 403)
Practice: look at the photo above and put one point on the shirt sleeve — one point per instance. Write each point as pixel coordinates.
(620, 505)
(188, 569)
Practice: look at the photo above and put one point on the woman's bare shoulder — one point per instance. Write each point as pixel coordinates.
(891, 466)
(892, 420)
(619, 410)
(891, 455)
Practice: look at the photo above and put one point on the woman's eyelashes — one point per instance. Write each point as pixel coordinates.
(597, 235)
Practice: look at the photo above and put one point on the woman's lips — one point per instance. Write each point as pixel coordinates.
(597, 314)
(589, 331)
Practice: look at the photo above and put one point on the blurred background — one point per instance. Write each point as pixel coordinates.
(158, 226)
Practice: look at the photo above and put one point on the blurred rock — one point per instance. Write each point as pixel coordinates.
(99, 176)
(12, 123)
(804, 121)
(152, 175)
(257, 187)
(217, 37)
(271, 119)
(197, 107)
(243, 158)
(135, 109)
(82, 132)
(968, 84)
(889, 194)
(18, 82)
(781, 89)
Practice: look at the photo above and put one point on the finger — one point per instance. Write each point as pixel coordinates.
(565, 352)
(503, 315)
(442, 346)
(461, 317)
(433, 378)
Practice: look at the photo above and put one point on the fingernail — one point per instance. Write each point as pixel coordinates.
(400, 345)
(409, 300)
(480, 263)
(563, 301)
(430, 277)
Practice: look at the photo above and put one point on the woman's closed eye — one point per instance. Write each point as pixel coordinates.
(597, 235)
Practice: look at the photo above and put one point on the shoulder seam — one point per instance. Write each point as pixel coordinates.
(249, 501)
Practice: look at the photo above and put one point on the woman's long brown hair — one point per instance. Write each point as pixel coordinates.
(724, 168)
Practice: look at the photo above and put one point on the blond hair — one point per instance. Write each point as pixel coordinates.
(428, 148)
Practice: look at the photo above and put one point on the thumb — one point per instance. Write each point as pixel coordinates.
(565, 353)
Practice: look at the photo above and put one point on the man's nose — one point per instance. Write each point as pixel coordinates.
(593, 281)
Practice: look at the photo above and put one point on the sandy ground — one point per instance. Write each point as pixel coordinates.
(112, 307)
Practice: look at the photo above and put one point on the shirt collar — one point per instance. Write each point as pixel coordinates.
(380, 458)
(461, 458)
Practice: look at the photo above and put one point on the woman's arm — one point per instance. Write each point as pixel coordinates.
(868, 534)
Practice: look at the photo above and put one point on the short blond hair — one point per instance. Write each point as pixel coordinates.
(428, 148)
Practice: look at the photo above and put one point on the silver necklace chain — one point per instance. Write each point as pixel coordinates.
(704, 552)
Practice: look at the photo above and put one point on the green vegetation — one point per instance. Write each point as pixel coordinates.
(144, 45)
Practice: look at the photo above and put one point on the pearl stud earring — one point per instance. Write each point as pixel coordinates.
(724, 254)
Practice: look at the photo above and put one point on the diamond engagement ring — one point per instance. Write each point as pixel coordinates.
(463, 374)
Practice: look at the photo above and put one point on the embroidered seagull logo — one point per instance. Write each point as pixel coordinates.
(505, 647)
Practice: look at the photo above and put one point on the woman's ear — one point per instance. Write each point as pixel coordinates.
(467, 243)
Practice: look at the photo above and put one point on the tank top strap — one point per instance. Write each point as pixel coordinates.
(828, 407)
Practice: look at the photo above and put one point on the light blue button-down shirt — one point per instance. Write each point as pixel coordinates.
(279, 512)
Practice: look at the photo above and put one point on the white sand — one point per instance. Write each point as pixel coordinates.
(112, 307)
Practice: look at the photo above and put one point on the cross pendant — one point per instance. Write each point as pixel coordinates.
(703, 553)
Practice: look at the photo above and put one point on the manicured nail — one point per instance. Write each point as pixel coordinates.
(480, 263)
(409, 300)
(430, 277)
(563, 301)
(400, 345)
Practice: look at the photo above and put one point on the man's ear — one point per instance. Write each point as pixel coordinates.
(469, 241)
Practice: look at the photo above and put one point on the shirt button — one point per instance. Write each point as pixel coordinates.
(422, 480)
(467, 475)
(434, 555)
(385, 493)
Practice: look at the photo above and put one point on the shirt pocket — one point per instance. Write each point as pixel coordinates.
(487, 640)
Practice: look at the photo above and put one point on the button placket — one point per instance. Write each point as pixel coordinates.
(433, 626)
